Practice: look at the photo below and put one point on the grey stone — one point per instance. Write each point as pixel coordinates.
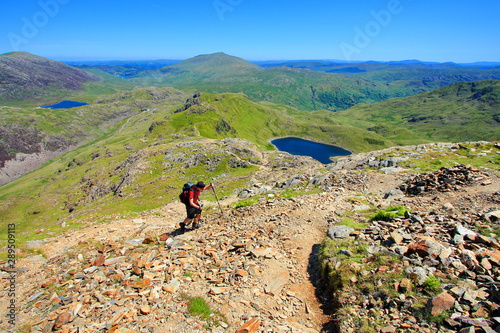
(339, 231)
(492, 216)
(394, 193)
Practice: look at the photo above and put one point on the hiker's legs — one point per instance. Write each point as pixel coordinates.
(193, 214)
(196, 221)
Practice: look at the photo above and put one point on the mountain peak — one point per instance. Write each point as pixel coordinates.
(216, 60)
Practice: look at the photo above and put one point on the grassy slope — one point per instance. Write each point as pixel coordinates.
(62, 128)
(149, 153)
(412, 81)
(260, 122)
(460, 112)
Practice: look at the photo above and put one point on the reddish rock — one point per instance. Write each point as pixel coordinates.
(61, 320)
(405, 285)
(144, 283)
(148, 240)
(145, 309)
(99, 261)
(48, 283)
(426, 248)
(441, 303)
(250, 326)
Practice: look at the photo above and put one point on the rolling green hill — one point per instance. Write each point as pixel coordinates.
(301, 88)
(465, 111)
(142, 161)
(310, 85)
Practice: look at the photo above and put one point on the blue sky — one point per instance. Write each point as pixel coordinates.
(429, 30)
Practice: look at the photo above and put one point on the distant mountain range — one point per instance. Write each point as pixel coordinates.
(306, 85)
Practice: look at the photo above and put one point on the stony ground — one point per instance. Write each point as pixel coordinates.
(255, 265)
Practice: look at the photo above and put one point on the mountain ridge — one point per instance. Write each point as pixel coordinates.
(27, 76)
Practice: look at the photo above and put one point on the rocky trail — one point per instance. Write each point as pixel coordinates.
(255, 266)
(253, 262)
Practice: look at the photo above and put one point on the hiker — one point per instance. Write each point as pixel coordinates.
(193, 206)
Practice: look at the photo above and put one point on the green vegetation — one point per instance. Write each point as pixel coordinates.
(348, 222)
(348, 269)
(341, 267)
(432, 284)
(389, 213)
(479, 155)
(198, 307)
(247, 202)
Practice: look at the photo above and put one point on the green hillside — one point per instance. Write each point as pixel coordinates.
(31, 129)
(460, 112)
(413, 81)
(309, 85)
(233, 115)
(141, 163)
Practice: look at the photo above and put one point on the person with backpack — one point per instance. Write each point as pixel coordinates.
(190, 197)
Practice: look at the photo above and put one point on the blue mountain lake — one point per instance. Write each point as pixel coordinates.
(318, 151)
(65, 105)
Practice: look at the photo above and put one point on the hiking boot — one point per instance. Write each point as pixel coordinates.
(183, 226)
(196, 225)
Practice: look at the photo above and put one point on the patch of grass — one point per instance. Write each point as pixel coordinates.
(354, 224)
(295, 192)
(247, 202)
(197, 306)
(478, 155)
(389, 213)
(432, 284)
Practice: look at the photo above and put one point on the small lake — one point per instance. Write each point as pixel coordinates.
(318, 151)
(65, 105)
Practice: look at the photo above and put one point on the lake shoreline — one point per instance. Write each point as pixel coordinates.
(299, 146)
(307, 139)
(65, 104)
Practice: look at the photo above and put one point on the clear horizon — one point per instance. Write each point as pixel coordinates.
(374, 30)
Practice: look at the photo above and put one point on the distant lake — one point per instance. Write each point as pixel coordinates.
(65, 105)
(316, 150)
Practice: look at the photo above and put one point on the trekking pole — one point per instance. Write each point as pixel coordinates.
(213, 189)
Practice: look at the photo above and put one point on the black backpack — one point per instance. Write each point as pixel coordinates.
(184, 196)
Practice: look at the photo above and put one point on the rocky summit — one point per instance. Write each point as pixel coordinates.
(256, 267)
